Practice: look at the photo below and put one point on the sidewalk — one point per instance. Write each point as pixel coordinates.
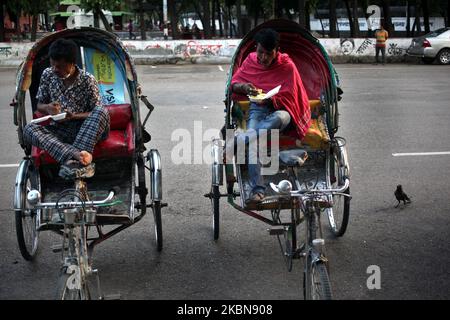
(357, 50)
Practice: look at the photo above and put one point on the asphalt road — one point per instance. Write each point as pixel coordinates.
(385, 110)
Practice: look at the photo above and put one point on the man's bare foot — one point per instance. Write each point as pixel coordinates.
(84, 157)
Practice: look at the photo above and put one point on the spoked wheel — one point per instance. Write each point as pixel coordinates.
(71, 286)
(26, 219)
(289, 239)
(316, 284)
(156, 208)
(339, 213)
(215, 200)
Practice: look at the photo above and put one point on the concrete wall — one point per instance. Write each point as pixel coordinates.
(357, 50)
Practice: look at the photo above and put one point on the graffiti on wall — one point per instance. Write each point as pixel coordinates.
(367, 43)
(395, 50)
(347, 46)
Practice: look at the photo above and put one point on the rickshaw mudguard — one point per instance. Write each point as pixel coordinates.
(217, 165)
(154, 159)
(21, 178)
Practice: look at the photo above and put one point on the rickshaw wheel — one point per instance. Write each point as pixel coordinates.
(216, 213)
(316, 282)
(156, 208)
(339, 213)
(26, 219)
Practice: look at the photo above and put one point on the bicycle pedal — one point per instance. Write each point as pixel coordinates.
(57, 248)
(276, 230)
(116, 296)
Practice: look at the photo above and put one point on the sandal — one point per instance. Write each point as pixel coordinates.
(255, 197)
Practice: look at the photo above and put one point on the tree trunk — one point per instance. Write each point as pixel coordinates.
(387, 17)
(301, 13)
(172, 8)
(219, 16)
(239, 18)
(207, 18)
(35, 13)
(321, 22)
(256, 16)
(350, 18)
(142, 20)
(96, 13)
(426, 16)
(355, 19)
(230, 19)
(448, 13)
(213, 18)
(417, 18)
(408, 19)
(307, 17)
(2, 22)
(333, 19)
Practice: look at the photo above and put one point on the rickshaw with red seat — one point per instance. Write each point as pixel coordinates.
(93, 207)
(313, 174)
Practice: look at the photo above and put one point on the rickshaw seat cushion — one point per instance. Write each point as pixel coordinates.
(120, 115)
(293, 157)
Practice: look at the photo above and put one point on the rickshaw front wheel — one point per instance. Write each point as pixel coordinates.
(26, 218)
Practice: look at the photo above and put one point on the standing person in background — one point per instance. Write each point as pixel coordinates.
(381, 35)
(132, 36)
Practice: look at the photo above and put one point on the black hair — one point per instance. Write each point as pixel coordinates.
(268, 38)
(63, 49)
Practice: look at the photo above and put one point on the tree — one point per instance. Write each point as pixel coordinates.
(2, 21)
(302, 13)
(96, 6)
(203, 9)
(426, 16)
(387, 17)
(26, 7)
(333, 19)
(355, 21)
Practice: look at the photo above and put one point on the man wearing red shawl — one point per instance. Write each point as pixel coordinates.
(288, 110)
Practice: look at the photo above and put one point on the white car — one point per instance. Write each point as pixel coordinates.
(432, 46)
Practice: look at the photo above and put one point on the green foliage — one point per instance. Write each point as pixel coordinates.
(103, 4)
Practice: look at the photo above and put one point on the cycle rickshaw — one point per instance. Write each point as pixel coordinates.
(313, 176)
(87, 210)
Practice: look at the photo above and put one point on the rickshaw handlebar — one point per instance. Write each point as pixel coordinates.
(77, 204)
(285, 187)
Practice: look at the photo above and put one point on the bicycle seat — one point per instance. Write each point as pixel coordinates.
(69, 172)
(293, 157)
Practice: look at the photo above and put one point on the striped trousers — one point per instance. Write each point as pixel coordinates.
(63, 140)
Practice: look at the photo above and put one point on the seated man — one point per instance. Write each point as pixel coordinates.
(64, 87)
(289, 108)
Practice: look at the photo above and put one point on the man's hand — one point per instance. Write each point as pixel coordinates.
(250, 89)
(53, 108)
(245, 88)
(69, 116)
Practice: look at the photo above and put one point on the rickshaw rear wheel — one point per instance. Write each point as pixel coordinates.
(156, 208)
(26, 219)
(216, 212)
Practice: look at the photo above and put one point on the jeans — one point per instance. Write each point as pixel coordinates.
(261, 117)
(377, 53)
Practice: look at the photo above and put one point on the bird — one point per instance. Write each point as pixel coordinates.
(400, 195)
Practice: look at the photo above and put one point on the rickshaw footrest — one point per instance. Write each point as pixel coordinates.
(276, 230)
(57, 248)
